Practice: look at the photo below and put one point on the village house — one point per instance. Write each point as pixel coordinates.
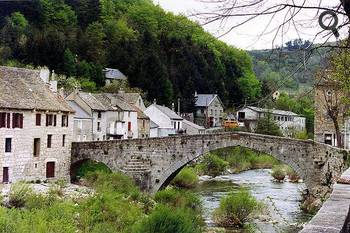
(168, 122)
(36, 127)
(209, 110)
(114, 75)
(82, 123)
(112, 117)
(143, 121)
(191, 128)
(288, 122)
(328, 95)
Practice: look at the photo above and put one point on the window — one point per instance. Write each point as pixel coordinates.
(63, 140)
(178, 125)
(174, 124)
(49, 141)
(8, 145)
(78, 138)
(64, 121)
(241, 116)
(98, 126)
(36, 148)
(143, 123)
(17, 120)
(5, 175)
(80, 124)
(51, 120)
(38, 119)
(211, 111)
(328, 139)
(129, 126)
(3, 119)
(99, 115)
(84, 138)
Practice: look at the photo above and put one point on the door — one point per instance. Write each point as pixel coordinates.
(5, 175)
(50, 169)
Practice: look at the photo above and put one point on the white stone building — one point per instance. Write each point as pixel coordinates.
(82, 131)
(209, 110)
(36, 127)
(112, 117)
(112, 75)
(169, 123)
(289, 122)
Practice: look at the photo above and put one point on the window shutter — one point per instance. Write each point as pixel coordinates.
(62, 121)
(54, 120)
(8, 120)
(47, 120)
(21, 121)
(67, 116)
(2, 120)
(14, 116)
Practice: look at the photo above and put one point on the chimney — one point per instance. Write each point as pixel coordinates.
(61, 92)
(45, 75)
(155, 101)
(195, 94)
(173, 107)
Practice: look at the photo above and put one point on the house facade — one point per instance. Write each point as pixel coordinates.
(209, 110)
(36, 128)
(288, 122)
(143, 121)
(82, 127)
(328, 96)
(168, 122)
(112, 117)
(191, 128)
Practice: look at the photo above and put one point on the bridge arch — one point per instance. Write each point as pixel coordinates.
(153, 161)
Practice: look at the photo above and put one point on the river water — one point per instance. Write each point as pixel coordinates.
(282, 200)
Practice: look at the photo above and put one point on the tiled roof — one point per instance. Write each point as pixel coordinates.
(273, 111)
(140, 113)
(119, 102)
(167, 111)
(203, 100)
(193, 125)
(131, 98)
(153, 125)
(24, 89)
(79, 112)
(94, 101)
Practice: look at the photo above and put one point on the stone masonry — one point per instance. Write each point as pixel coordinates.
(153, 162)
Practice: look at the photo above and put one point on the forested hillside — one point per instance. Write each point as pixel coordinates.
(291, 68)
(167, 56)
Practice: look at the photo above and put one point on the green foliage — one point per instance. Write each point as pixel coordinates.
(187, 178)
(278, 172)
(18, 194)
(168, 220)
(292, 175)
(213, 165)
(241, 159)
(91, 166)
(149, 45)
(268, 126)
(235, 208)
(178, 198)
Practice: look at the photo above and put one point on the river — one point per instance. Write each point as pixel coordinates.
(282, 200)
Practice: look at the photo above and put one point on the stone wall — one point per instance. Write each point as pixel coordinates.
(318, 164)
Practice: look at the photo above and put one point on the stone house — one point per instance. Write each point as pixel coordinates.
(329, 95)
(113, 75)
(112, 117)
(82, 123)
(154, 130)
(143, 121)
(36, 127)
(191, 128)
(209, 110)
(288, 122)
(169, 123)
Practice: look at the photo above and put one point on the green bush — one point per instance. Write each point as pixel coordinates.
(92, 166)
(278, 173)
(235, 209)
(167, 220)
(18, 194)
(292, 175)
(213, 165)
(187, 178)
(178, 198)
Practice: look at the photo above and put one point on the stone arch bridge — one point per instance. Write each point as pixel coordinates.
(153, 162)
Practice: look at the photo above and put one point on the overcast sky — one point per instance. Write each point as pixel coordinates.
(246, 36)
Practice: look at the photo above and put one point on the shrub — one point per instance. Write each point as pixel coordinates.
(167, 220)
(214, 165)
(187, 178)
(235, 209)
(179, 199)
(91, 166)
(278, 173)
(292, 175)
(18, 194)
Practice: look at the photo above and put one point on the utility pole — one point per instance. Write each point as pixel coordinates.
(178, 106)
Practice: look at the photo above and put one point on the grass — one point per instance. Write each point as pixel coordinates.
(212, 165)
(187, 178)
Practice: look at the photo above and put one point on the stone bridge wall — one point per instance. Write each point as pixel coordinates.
(153, 162)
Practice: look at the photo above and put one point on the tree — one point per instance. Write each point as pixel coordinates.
(69, 63)
(267, 125)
